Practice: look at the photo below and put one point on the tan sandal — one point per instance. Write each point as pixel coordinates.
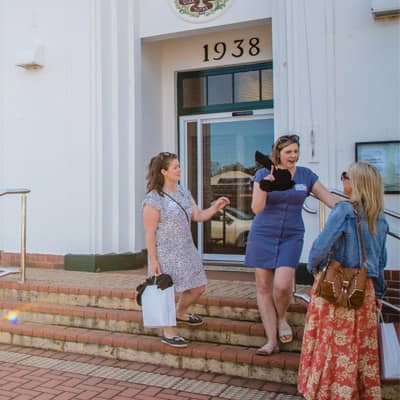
(285, 332)
(267, 350)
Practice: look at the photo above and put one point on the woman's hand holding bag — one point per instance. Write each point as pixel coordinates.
(157, 298)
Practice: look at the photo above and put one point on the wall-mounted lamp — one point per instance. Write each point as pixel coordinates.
(31, 59)
(385, 8)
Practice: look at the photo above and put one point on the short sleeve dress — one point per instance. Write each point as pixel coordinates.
(277, 233)
(176, 252)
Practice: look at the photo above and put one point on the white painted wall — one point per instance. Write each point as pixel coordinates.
(336, 72)
(158, 19)
(68, 130)
(45, 120)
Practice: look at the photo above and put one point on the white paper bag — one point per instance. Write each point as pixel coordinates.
(389, 348)
(158, 307)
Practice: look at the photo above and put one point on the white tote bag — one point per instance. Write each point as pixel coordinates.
(389, 348)
(158, 307)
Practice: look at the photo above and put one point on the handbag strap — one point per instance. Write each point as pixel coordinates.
(179, 204)
(364, 257)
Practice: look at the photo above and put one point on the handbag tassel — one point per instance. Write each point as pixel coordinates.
(343, 298)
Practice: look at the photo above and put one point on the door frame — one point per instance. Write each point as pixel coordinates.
(183, 158)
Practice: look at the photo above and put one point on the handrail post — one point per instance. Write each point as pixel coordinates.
(15, 270)
(321, 215)
(23, 236)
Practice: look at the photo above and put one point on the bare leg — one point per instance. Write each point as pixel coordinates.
(265, 301)
(282, 291)
(169, 332)
(188, 297)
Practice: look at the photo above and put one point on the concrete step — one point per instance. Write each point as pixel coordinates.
(214, 330)
(238, 361)
(236, 308)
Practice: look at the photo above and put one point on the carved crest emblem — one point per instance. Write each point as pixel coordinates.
(199, 10)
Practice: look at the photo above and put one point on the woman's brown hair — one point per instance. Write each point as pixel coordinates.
(154, 177)
(367, 191)
(280, 144)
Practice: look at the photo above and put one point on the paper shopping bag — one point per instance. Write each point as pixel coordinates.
(389, 348)
(158, 306)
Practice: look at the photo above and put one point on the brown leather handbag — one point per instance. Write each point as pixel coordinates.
(341, 285)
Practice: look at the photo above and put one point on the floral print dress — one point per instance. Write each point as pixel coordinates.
(176, 252)
(339, 358)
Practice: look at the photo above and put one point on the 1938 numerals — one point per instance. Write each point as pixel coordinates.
(240, 46)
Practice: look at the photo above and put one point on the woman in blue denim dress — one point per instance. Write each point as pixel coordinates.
(276, 237)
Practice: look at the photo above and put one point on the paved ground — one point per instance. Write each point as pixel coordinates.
(27, 373)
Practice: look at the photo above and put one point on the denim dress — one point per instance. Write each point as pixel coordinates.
(277, 233)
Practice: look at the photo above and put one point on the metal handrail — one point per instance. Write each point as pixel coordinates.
(305, 297)
(309, 210)
(11, 270)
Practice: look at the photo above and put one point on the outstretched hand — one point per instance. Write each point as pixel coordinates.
(221, 202)
(270, 177)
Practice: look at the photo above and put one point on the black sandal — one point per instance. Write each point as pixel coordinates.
(194, 320)
(176, 341)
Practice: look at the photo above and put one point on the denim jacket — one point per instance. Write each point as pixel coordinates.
(339, 240)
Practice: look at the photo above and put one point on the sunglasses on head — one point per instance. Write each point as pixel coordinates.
(165, 154)
(344, 176)
(289, 138)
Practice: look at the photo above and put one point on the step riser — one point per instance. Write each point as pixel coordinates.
(110, 325)
(389, 391)
(242, 314)
(37, 297)
(176, 361)
(117, 303)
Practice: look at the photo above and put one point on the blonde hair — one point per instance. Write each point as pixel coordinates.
(367, 191)
(154, 177)
(280, 144)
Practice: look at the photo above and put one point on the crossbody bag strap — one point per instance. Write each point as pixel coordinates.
(179, 204)
(364, 257)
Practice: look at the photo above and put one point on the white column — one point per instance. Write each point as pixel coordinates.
(115, 120)
(304, 79)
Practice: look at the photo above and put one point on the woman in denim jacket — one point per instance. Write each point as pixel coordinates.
(339, 358)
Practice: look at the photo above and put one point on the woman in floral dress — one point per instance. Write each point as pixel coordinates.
(168, 210)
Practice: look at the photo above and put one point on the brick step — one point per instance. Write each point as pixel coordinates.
(214, 330)
(238, 361)
(240, 309)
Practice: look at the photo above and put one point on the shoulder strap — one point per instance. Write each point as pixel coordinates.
(179, 204)
(364, 257)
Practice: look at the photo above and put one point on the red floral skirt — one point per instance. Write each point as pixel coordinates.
(339, 357)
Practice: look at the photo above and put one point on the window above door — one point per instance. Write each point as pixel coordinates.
(225, 89)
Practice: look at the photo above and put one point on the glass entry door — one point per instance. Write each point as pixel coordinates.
(217, 156)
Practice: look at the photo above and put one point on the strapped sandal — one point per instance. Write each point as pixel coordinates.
(194, 320)
(176, 341)
(285, 332)
(267, 350)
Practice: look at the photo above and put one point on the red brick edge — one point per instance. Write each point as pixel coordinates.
(34, 260)
(224, 353)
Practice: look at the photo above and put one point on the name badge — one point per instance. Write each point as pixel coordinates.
(300, 187)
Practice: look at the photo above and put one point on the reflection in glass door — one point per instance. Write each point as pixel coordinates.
(218, 159)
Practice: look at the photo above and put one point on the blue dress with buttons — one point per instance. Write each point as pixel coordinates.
(277, 233)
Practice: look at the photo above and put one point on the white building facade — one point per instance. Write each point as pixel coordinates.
(122, 80)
